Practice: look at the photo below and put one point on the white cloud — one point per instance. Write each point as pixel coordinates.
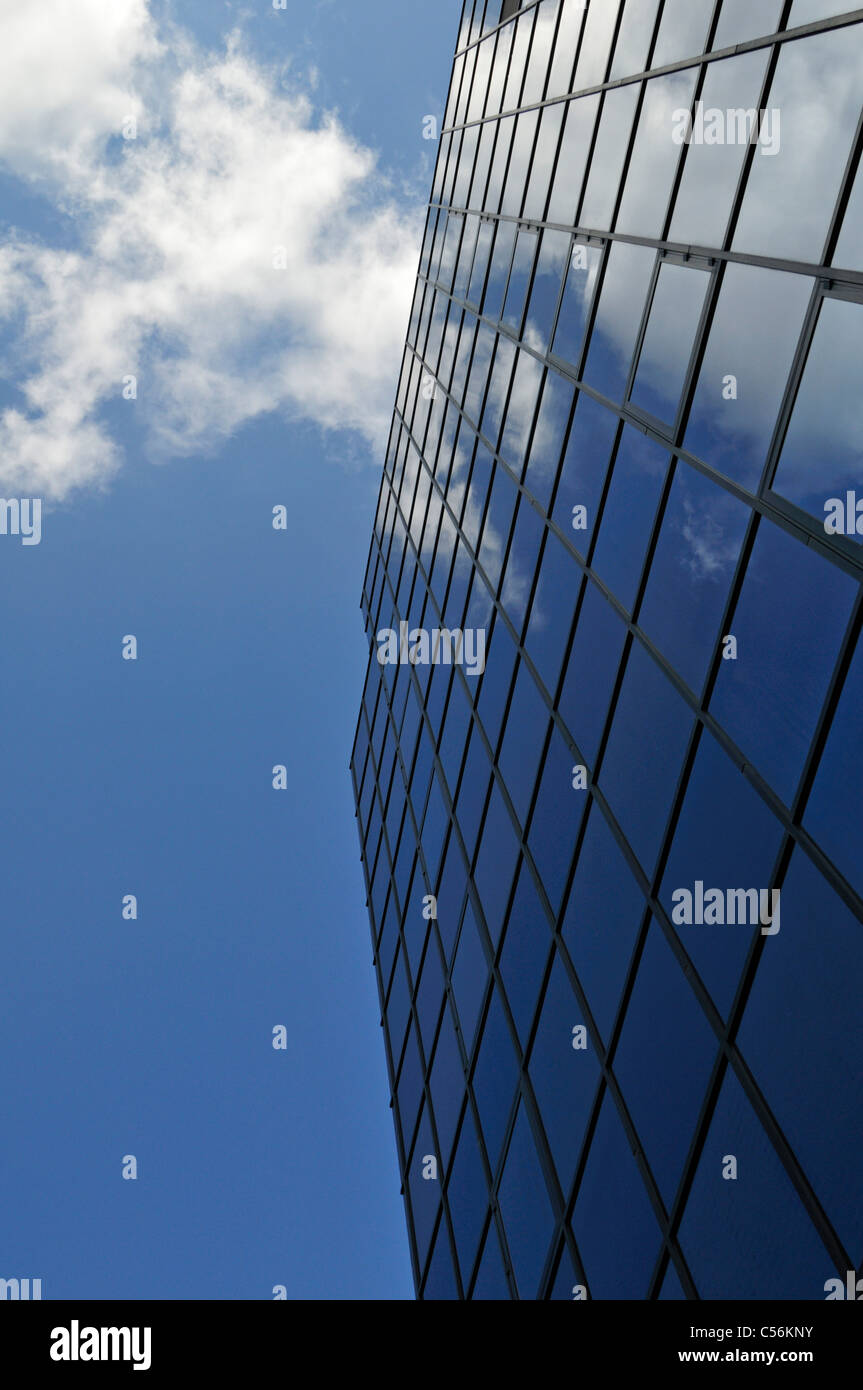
(173, 279)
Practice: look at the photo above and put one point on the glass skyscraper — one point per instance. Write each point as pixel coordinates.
(609, 759)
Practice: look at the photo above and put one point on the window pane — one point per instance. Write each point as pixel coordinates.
(807, 11)
(683, 31)
(585, 466)
(496, 682)
(519, 163)
(469, 977)
(465, 258)
(712, 171)
(597, 648)
(629, 513)
(655, 155)
(602, 919)
(496, 863)
(741, 20)
(515, 76)
(447, 1087)
(820, 458)
(467, 1194)
(523, 741)
(663, 1061)
(545, 292)
(497, 391)
(398, 1008)
(647, 702)
(467, 154)
(503, 143)
(540, 52)
(550, 122)
(480, 262)
(564, 1078)
(526, 946)
(633, 40)
(581, 277)
(834, 814)
(479, 91)
(519, 279)
(796, 173)
(520, 410)
(424, 1193)
(409, 1091)
(556, 819)
(672, 1289)
(430, 995)
(789, 623)
(802, 1035)
(572, 160)
(615, 125)
(678, 301)
(521, 563)
(450, 894)
(440, 1281)
(485, 152)
(547, 443)
(494, 1079)
(565, 1281)
(472, 792)
(748, 1238)
(752, 343)
(498, 70)
(618, 319)
(691, 572)
(849, 250)
(491, 1283)
(528, 1217)
(613, 1222)
(552, 611)
(725, 837)
(596, 43)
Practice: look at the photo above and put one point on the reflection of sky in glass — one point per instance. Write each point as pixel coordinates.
(822, 455)
(753, 338)
(674, 314)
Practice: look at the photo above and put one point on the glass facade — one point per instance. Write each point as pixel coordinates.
(609, 759)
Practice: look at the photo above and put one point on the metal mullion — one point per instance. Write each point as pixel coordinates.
(836, 275)
(780, 37)
(798, 523)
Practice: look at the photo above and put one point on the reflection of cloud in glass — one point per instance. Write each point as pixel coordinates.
(790, 196)
(711, 172)
(753, 338)
(823, 449)
(711, 554)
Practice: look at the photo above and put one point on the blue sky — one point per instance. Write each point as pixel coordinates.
(154, 1037)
